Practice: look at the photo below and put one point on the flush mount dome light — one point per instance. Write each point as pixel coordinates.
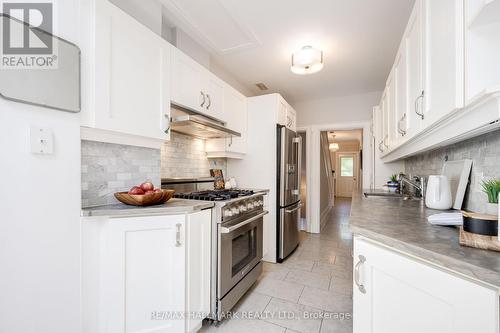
(307, 60)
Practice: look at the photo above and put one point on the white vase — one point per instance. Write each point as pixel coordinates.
(492, 209)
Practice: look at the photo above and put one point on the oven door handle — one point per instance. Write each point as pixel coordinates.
(225, 230)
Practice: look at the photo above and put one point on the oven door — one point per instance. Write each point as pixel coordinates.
(240, 250)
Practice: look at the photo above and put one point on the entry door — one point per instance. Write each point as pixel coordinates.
(347, 172)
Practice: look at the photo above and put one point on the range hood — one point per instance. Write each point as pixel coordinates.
(199, 126)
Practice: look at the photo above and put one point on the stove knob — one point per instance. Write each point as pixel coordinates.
(228, 213)
(235, 211)
(243, 208)
(250, 205)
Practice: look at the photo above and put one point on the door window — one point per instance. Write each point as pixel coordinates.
(346, 166)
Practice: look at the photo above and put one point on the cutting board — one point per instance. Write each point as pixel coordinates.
(457, 173)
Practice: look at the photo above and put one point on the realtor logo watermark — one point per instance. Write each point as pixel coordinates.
(27, 41)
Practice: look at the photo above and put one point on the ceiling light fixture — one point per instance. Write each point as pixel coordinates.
(334, 146)
(307, 60)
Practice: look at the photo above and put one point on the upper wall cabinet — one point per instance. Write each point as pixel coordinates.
(236, 115)
(195, 88)
(444, 58)
(446, 77)
(126, 88)
(482, 27)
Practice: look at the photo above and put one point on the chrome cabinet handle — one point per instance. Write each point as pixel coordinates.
(204, 98)
(225, 230)
(168, 122)
(384, 141)
(380, 147)
(361, 261)
(178, 227)
(421, 115)
(209, 101)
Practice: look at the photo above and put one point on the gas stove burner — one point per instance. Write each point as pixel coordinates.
(215, 195)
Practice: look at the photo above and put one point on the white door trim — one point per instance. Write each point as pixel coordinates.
(313, 163)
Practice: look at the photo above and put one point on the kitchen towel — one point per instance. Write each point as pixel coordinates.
(446, 219)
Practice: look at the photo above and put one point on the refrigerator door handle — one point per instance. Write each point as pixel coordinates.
(299, 206)
(298, 142)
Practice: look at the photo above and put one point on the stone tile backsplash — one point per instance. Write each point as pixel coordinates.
(109, 168)
(184, 157)
(484, 151)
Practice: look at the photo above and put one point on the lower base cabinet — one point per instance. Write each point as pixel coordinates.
(394, 293)
(146, 274)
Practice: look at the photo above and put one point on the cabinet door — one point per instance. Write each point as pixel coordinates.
(188, 82)
(144, 274)
(291, 118)
(132, 75)
(198, 265)
(282, 105)
(214, 90)
(444, 58)
(414, 54)
(236, 105)
(392, 134)
(400, 70)
(404, 295)
(385, 121)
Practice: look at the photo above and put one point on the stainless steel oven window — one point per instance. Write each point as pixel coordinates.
(244, 250)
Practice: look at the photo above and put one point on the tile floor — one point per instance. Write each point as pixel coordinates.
(310, 292)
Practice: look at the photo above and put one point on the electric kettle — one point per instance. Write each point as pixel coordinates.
(438, 195)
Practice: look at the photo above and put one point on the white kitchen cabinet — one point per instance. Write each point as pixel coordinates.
(384, 104)
(401, 82)
(138, 271)
(444, 58)
(188, 82)
(398, 294)
(194, 87)
(414, 56)
(291, 118)
(482, 68)
(127, 87)
(236, 115)
(392, 135)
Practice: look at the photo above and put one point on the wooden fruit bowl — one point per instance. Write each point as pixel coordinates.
(145, 199)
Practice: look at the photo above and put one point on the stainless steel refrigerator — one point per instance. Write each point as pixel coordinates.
(288, 198)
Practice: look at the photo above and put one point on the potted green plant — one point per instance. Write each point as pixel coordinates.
(393, 183)
(491, 188)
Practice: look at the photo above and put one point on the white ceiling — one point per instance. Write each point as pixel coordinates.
(253, 40)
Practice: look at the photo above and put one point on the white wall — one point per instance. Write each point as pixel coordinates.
(40, 206)
(333, 110)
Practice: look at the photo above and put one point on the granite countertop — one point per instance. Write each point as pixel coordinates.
(172, 207)
(403, 226)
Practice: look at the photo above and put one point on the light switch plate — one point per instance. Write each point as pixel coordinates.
(41, 140)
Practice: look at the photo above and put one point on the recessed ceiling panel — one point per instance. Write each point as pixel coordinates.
(214, 23)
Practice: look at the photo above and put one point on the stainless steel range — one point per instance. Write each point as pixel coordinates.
(237, 235)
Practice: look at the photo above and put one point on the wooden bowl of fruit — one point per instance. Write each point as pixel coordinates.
(144, 195)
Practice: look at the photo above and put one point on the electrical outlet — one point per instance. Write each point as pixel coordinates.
(41, 140)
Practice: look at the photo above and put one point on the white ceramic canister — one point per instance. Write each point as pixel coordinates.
(438, 195)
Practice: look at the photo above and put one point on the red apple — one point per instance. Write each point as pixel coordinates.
(147, 186)
(136, 190)
(150, 192)
(157, 190)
